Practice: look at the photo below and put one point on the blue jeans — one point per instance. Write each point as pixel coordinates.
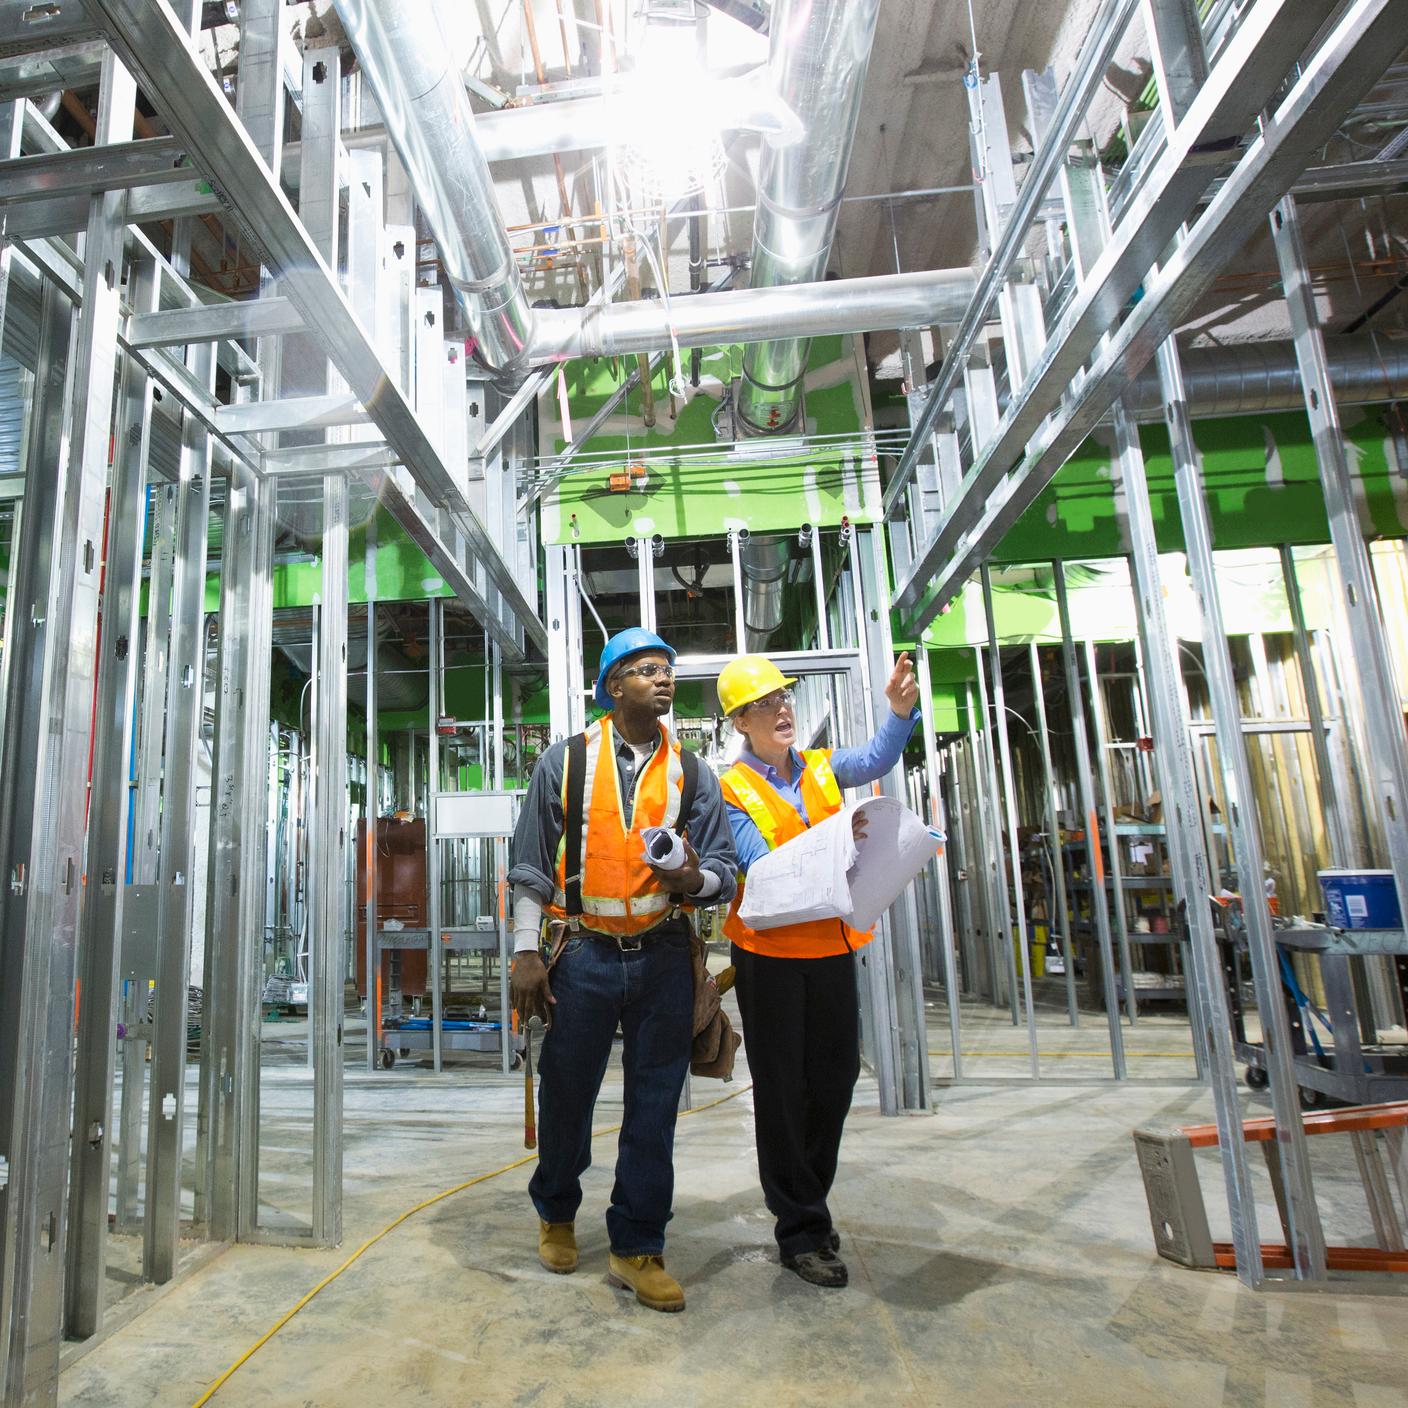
(650, 993)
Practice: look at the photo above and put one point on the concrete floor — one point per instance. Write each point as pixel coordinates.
(1000, 1254)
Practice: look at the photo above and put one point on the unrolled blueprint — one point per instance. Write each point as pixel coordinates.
(825, 873)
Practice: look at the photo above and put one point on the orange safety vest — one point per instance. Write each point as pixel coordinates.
(620, 894)
(779, 822)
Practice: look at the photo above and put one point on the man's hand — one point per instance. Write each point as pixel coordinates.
(903, 689)
(529, 990)
(687, 879)
(858, 826)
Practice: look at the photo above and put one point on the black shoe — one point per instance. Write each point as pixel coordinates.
(834, 1237)
(821, 1267)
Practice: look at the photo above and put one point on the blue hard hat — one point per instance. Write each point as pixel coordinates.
(633, 641)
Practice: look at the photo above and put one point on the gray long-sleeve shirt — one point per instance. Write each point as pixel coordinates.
(533, 855)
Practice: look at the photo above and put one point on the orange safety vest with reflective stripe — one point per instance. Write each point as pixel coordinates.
(620, 894)
(778, 822)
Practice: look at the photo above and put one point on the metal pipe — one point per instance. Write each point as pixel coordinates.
(752, 315)
(818, 54)
(1255, 377)
(764, 565)
(409, 64)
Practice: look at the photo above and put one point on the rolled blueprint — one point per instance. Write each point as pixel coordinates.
(663, 847)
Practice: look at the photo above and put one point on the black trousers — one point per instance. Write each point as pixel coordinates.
(801, 1031)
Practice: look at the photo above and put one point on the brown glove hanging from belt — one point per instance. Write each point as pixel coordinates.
(715, 1041)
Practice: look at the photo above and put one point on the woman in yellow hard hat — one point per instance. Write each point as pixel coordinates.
(797, 984)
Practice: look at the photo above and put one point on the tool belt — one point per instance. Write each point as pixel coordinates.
(713, 1041)
(563, 931)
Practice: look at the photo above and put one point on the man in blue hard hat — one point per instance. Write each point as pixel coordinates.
(620, 952)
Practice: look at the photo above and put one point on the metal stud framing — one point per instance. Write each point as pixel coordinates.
(410, 432)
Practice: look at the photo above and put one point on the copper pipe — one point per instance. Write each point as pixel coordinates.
(73, 105)
(566, 47)
(531, 26)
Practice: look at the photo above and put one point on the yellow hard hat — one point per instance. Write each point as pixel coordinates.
(748, 678)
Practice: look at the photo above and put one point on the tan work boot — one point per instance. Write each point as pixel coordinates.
(557, 1246)
(647, 1277)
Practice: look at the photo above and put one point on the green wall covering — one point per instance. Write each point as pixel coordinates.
(1102, 605)
(403, 572)
(708, 495)
(1262, 485)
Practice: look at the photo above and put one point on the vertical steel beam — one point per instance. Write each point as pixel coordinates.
(100, 938)
(327, 867)
(1371, 662)
(369, 843)
(145, 834)
(238, 769)
(1303, 1230)
(436, 614)
(11, 147)
(1107, 792)
(1009, 797)
(11, 140)
(318, 205)
(1341, 841)
(176, 918)
(1085, 788)
(1002, 961)
(564, 623)
(1179, 56)
(823, 627)
(740, 626)
(938, 818)
(1053, 829)
(41, 848)
(1173, 753)
(896, 969)
(645, 580)
(260, 101)
(155, 669)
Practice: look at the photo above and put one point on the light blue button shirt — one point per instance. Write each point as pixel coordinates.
(854, 767)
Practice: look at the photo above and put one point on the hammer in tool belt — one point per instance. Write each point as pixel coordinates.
(530, 1121)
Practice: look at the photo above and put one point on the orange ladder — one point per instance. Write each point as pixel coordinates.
(1175, 1197)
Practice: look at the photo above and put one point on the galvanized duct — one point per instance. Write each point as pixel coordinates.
(751, 315)
(1256, 377)
(410, 66)
(818, 53)
(764, 564)
(578, 124)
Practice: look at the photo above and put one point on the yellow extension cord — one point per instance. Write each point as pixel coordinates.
(391, 1227)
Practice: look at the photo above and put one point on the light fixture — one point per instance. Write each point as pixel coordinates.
(668, 112)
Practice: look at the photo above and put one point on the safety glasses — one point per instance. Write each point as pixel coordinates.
(651, 671)
(772, 703)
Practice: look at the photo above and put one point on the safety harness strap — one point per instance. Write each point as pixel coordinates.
(689, 786)
(576, 763)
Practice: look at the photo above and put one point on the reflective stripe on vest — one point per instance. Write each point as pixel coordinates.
(620, 893)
